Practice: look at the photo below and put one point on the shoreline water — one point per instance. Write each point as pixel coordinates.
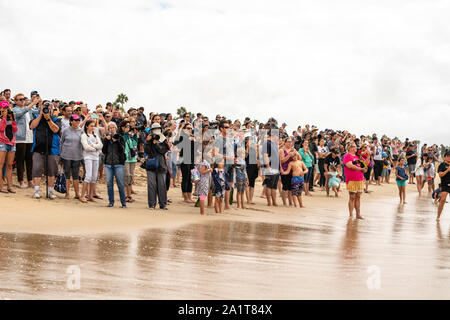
(23, 214)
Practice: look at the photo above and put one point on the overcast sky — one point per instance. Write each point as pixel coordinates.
(367, 66)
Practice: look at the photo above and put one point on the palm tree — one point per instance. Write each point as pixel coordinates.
(181, 110)
(121, 99)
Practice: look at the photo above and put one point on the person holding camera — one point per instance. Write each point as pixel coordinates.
(45, 148)
(92, 146)
(8, 128)
(114, 151)
(185, 143)
(24, 138)
(130, 137)
(156, 148)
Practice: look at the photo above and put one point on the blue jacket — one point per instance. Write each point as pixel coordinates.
(54, 144)
(22, 122)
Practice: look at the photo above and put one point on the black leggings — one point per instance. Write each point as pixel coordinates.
(311, 178)
(186, 184)
(367, 174)
(24, 155)
(252, 173)
(322, 172)
(378, 167)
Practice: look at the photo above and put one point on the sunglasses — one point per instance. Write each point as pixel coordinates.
(21, 99)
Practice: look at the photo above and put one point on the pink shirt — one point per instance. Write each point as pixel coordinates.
(350, 174)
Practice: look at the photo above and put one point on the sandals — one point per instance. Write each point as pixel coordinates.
(3, 191)
(129, 199)
(98, 197)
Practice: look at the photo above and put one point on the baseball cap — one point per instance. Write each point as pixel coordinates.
(4, 104)
(155, 126)
(75, 117)
(33, 92)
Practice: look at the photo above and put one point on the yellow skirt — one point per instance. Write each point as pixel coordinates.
(355, 186)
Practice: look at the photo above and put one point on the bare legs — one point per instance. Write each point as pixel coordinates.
(441, 204)
(354, 202)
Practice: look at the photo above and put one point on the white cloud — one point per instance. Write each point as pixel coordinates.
(370, 66)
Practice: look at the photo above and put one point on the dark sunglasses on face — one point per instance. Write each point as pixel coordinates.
(21, 99)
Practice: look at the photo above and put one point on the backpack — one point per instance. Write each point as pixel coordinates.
(60, 184)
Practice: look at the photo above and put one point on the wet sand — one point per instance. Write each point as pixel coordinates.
(281, 253)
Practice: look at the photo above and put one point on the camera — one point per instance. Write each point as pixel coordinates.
(46, 109)
(116, 136)
(133, 152)
(156, 136)
(138, 128)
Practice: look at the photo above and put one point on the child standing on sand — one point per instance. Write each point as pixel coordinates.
(334, 182)
(203, 184)
(241, 178)
(298, 169)
(219, 186)
(401, 178)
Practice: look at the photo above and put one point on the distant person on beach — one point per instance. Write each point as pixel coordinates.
(444, 174)
(354, 178)
(333, 182)
(24, 139)
(114, 152)
(8, 129)
(92, 146)
(411, 158)
(72, 155)
(46, 148)
(308, 160)
(297, 170)
(401, 177)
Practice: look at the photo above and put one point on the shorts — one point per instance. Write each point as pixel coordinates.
(286, 182)
(412, 168)
(240, 185)
(384, 172)
(355, 186)
(445, 189)
(297, 184)
(229, 174)
(401, 183)
(395, 157)
(72, 168)
(7, 147)
(129, 173)
(271, 181)
(39, 162)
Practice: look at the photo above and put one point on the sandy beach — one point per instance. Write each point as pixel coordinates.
(23, 214)
(257, 253)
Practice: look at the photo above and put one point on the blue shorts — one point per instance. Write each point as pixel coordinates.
(7, 148)
(401, 183)
(229, 175)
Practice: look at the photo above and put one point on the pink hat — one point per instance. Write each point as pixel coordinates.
(4, 104)
(74, 117)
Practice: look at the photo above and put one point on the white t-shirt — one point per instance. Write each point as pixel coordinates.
(65, 123)
(29, 132)
(378, 155)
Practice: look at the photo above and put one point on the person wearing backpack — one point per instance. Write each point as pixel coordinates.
(156, 148)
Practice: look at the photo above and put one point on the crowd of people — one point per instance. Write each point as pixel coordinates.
(217, 160)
